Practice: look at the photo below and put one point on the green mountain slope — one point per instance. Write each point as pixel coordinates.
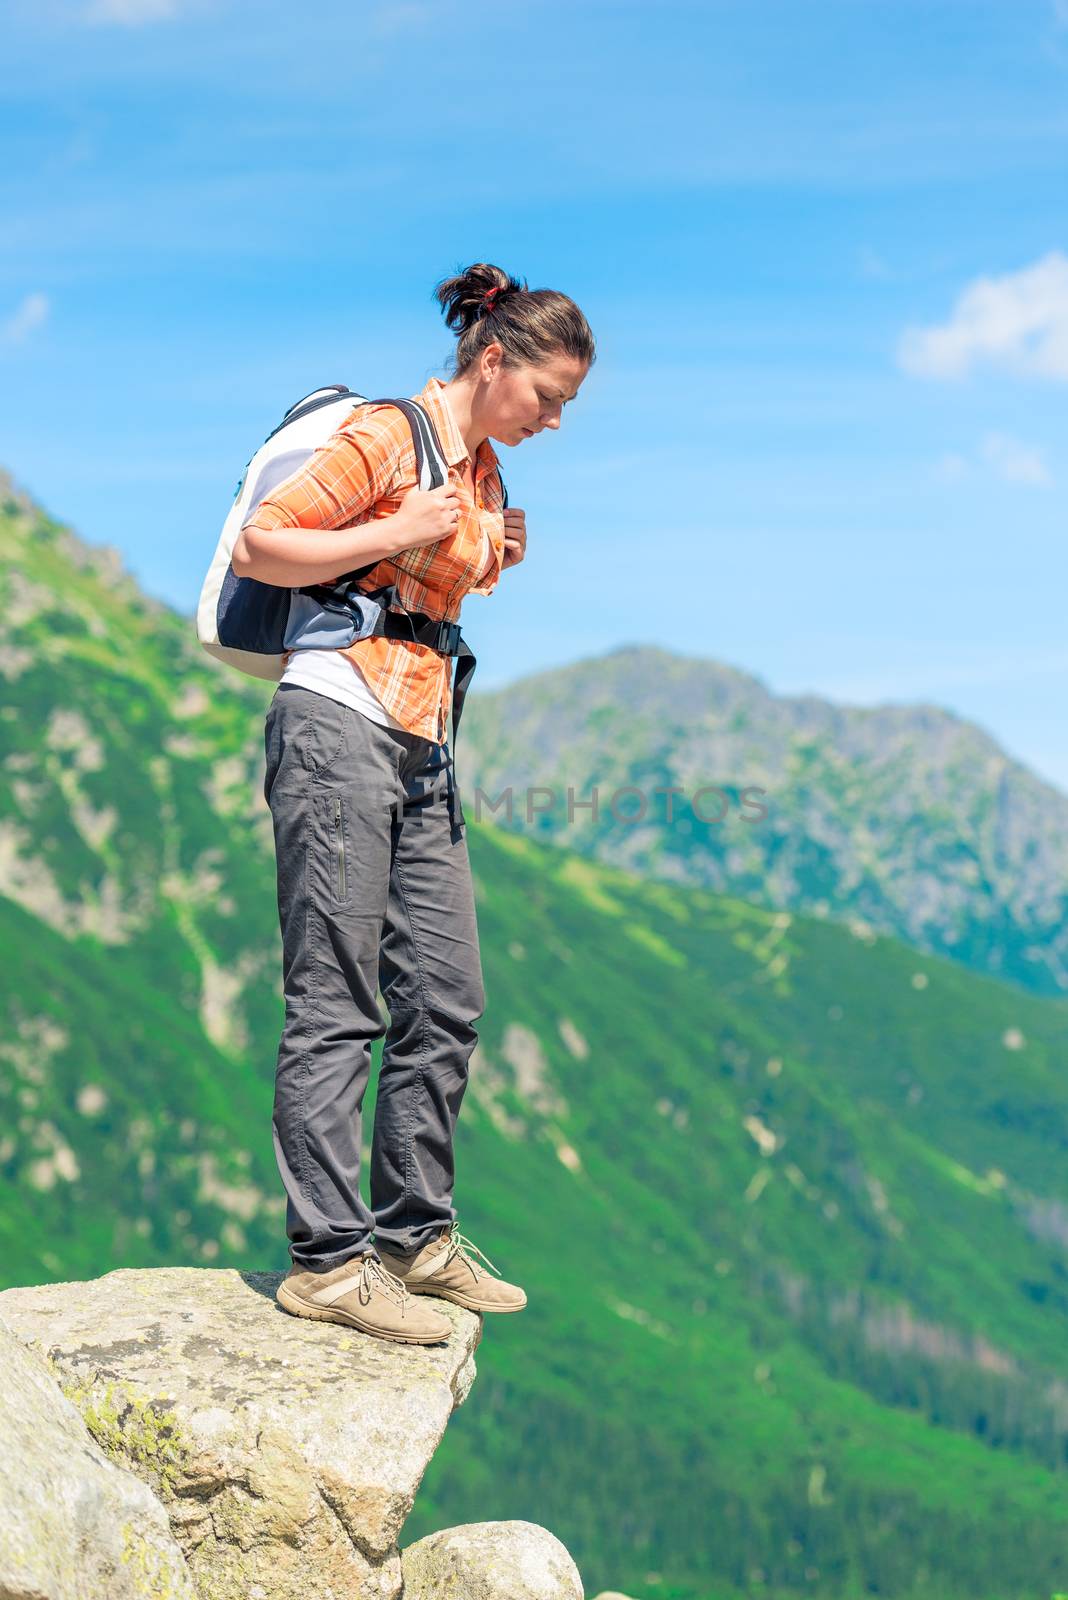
(905, 815)
(131, 807)
(788, 1198)
(816, 1185)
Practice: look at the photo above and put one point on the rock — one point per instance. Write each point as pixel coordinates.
(73, 1526)
(490, 1561)
(611, 1594)
(286, 1453)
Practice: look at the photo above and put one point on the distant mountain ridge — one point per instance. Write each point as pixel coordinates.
(909, 818)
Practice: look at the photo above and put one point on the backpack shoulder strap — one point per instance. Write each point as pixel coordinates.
(435, 445)
(431, 470)
(432, 444)
(428, 449)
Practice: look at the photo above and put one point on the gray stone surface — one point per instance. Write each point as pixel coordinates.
(490, 1561)
(73, 1526)
(286, 1453)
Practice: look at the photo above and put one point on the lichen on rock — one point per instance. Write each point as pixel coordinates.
(73, 1524)
(285, 1453)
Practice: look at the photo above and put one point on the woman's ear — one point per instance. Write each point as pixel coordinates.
(492, 360)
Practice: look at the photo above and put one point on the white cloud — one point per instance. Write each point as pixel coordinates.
(27, 317)
(1015, 461)
(131, 13)
(1018, 322)
(1009, 459)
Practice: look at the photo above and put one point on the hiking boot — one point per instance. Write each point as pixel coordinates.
(443, 1268)
(363, 1295)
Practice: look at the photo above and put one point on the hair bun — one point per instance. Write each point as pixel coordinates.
(463, 298)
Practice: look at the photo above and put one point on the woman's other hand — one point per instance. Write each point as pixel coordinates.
(515, 536)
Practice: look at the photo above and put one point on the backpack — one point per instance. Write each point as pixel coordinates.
(249, 624)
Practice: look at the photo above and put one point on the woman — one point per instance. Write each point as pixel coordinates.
(374, 884)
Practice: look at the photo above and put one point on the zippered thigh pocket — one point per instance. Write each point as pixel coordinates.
(341, 875)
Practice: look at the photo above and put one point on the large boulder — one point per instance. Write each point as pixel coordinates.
(490, 1561)
(73, 1526)
(286, 1453)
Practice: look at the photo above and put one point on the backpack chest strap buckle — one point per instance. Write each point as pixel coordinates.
(446, 639)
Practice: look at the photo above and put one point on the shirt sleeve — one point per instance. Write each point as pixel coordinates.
(343, 479)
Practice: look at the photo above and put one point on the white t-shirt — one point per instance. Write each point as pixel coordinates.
(339, 678)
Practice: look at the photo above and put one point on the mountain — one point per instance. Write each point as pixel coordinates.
(908, 817)
(788, 1197)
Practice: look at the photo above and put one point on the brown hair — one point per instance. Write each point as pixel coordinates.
(530, 324)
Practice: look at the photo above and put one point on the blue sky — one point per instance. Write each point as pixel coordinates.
(823, 247)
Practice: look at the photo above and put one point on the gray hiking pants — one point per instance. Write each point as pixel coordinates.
(374, 890)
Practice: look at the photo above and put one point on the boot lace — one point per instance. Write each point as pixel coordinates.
(458, 1245)
(374, 1275)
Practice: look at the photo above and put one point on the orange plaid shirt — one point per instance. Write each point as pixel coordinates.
(363, 471)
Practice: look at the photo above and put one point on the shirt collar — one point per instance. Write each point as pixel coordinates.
(436, 401)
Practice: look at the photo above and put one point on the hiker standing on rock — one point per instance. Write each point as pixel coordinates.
(374, 883)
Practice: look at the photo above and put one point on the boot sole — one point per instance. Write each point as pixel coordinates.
(459, 1299)
(301, 1308)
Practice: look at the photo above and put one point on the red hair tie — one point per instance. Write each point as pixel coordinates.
(490, 296)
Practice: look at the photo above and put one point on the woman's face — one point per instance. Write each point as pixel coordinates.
(521, 401)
